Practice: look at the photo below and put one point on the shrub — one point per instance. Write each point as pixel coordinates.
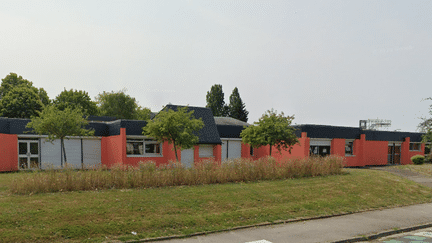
(147, 174)
(418, 159)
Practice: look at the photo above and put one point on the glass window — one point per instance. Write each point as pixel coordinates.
(142, 147)
(349, 148)
(22, 148)
(205, 150)
(415, 147)
(319, 150)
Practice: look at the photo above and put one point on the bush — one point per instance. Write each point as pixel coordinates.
(418, 159)
(147, 174)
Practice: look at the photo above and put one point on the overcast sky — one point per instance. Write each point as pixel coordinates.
(326, 62)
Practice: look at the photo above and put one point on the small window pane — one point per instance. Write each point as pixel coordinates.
(134, 147)
(22, 148)
(349, 148)
(34, 148)
(22, 162)
(34, 163)
(152, 149)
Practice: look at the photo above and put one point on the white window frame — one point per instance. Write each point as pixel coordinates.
(419, 146)
(145, 141)
(347, 143)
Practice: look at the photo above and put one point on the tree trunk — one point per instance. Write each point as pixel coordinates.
(175, 151)
(64, 152)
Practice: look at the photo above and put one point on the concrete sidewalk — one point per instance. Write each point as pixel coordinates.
(348, 228)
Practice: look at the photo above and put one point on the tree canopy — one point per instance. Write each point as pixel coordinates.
(271, 129)
(175, 127)
(237, 108)
(215, 101)
(12, 80)
(58, 124)
(20, 102)
(120, 105)
(75, 99)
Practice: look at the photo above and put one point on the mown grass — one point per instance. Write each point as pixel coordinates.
(147, 175)
(97, 216)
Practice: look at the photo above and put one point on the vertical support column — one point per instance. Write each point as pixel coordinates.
(360, 150)
(306, 144)
(217, 152)
(122, 149)
(404, 157)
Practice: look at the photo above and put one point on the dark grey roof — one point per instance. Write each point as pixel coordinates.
(326, 131)
(209, 133)
(219, 120)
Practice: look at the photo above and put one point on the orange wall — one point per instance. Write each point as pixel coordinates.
(376, 153)
(8, 152)
(337, 147)
(114, 149)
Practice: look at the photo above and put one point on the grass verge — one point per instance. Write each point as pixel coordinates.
(97, 216)
(425, 169)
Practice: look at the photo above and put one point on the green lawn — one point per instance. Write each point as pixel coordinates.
(95, 216)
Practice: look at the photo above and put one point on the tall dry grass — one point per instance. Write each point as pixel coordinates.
(149, 175)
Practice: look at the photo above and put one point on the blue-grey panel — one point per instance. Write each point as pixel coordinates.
(392, 136)
(114, 128)
(133, 127)
(229, 131)
(4, 125)
(18, 126)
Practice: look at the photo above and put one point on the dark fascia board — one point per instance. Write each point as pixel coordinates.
(229, 131)
(209, 133)
(133, 127)
(327, 131)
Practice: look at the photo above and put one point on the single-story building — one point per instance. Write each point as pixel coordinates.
(121, 142)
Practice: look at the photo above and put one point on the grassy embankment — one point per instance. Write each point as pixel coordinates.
(100, 215)
(425, 169)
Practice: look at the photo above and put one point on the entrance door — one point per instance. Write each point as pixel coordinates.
(187, 158)
(394, 154)
(28, 155)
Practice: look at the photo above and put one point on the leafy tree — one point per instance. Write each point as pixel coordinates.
(271, 129)
(215, 101)
(236, 106)
(120, 105)
(58, 124)
(20, 102)
(426, 127)
(13, 80)
(75, 99)
(176, 127)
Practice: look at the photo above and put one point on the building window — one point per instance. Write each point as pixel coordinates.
(349, 148)
(144, 147)
(415, 147)
(319, 150)
(205, 151)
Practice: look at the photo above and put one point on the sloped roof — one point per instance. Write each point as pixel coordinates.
(219, 120)
(209, 133)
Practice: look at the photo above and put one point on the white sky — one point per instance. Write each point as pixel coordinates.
(326, 62)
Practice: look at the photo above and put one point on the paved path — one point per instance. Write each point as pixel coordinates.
(347, 228)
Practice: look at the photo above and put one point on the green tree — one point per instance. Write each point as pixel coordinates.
(176, 127)
(58, 124)
(75, 99)
(426, 127)
(271, 129)
(12, 80)
(120, 105)
(20, 102)
(237, 108)
(215, 101)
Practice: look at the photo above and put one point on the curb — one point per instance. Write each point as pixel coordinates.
(384, 234)
(301, 219)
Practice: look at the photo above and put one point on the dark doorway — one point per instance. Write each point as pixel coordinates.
(394, 154)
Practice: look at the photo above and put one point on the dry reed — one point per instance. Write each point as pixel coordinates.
(147, 174)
